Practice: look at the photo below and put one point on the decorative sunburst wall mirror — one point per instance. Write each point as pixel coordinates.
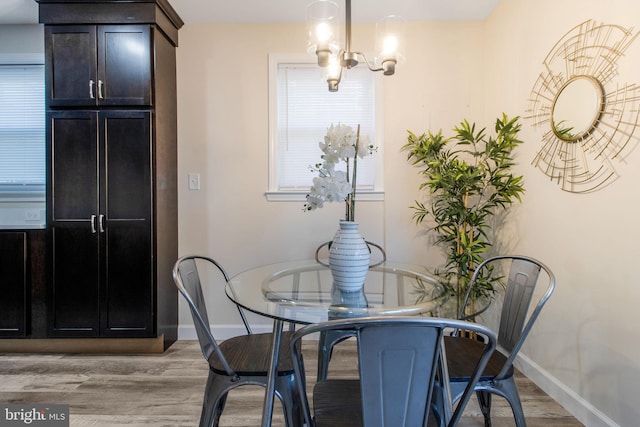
(589, 120)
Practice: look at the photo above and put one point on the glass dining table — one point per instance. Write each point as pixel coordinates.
(302, 292)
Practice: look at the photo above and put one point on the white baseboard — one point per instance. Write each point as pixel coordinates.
(575, 404)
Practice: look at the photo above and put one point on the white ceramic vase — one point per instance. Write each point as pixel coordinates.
(349, 258)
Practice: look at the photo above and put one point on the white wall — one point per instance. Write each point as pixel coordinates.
(22, 39)
(582, 350)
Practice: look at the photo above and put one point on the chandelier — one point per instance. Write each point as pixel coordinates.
(323, 18)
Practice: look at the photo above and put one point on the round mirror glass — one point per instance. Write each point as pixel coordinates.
(577, 108)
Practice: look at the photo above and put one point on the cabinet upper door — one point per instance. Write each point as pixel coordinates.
(126, 190)
(71, 66)
(106, 65)
(73, 167)
(124, 65)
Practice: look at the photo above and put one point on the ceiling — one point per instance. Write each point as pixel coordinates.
(265, 11)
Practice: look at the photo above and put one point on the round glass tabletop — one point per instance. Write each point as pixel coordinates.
(303, 292)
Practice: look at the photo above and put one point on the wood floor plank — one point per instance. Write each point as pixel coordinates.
(140, 390)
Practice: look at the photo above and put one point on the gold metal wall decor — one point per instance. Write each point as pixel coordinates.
(590, 119)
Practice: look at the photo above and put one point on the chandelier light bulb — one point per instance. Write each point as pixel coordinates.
(322, 21)
(323, 32)
(390, 46)
(390, 42)
(333, 68)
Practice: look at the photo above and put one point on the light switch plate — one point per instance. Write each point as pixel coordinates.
(194, 181)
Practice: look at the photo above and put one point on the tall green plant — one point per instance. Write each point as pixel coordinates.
(469, 180)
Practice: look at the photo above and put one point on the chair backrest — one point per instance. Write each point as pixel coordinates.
(187, 279)
(522, 279)
(398, 359)
(378, 254)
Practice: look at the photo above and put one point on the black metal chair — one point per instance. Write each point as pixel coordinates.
(237, 361)
(523, 276)
(400, 367)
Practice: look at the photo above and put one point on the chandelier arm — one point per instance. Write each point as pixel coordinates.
(367, 62)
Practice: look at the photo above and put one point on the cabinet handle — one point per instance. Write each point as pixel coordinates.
(93, 224)
(91, 89)
(100, 85)
(101, 224)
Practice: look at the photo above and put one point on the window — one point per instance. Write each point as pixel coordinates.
(22, 146)
(301, 110)
(22, 143)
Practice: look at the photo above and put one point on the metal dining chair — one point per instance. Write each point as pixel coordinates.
(238, 361)
(400, 367)
(516, 321)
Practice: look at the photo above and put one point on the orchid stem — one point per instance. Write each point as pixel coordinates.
(351, 199)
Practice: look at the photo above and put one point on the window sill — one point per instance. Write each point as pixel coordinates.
(300, 196)
(22, 227)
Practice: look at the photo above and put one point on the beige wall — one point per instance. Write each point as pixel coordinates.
(583, 349)
(223, 135)
(585, 339)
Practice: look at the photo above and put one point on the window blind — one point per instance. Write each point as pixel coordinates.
(306, 109)
(22, 125)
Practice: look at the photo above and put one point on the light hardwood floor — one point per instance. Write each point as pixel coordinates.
(166, 389)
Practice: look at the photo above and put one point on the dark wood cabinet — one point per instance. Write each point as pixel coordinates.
(98, 65)
(112, 168)
(101, 223)
(13, 284)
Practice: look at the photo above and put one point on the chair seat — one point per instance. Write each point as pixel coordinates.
(337, 403)
(250, 355)
(463, 352)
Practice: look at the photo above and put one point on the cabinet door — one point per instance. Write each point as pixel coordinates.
(128, 282)
(90, 65)
(73, 172)
(74, 244)
(13, 284)
(101, 224)
(71, 66)
(124, 65)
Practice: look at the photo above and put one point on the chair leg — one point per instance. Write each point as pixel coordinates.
(324, 356)
(327, 340)
(484, 400)
(438, 404)
(288, 393)
(508, 389)
(218, 412)
(215, 398)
